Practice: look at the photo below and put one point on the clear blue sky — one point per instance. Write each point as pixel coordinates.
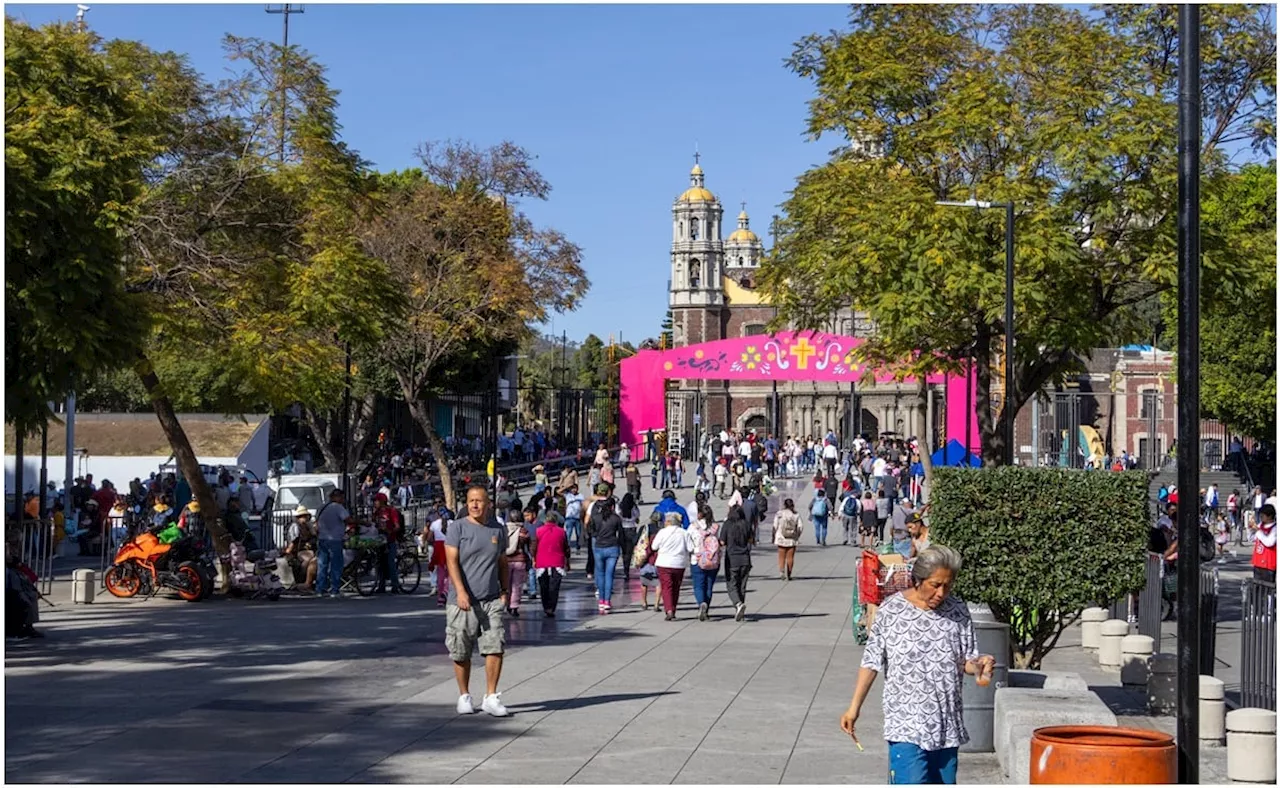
(611, 99)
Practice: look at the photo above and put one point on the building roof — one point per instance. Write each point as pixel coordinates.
(140, 435)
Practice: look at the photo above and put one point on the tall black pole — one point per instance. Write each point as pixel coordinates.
(1188, 393)
(1008, 335)
(346, 423)
(285, 10)
(44, 467)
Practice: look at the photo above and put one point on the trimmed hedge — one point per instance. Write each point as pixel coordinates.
(1041, 544)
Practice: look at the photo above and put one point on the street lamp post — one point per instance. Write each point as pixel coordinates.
(1008, 314)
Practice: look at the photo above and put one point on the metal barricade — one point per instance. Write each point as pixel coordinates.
(114, 534)
(1258, 644)
(1208, 619)
(1151, 599)
(33, 540)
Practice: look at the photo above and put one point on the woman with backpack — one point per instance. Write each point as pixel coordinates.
(786, 535)
(849, 511)
(819, 511)
(884, 505)
(705, 564)
(517, 558)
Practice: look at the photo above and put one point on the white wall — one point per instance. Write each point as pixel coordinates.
(120, 470)
(255, 453)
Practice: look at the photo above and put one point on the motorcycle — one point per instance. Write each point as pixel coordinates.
(145, 565)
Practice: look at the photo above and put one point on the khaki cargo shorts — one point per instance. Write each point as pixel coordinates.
(482, 625)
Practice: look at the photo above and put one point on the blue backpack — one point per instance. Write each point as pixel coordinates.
(819, 507)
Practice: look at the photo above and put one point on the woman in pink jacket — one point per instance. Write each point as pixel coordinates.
(550, 563)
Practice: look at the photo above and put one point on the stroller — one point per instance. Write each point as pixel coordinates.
(253, 573)
(874, 582)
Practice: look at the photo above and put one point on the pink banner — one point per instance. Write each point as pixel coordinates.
(785, 356)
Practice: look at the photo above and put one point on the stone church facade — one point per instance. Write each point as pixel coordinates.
(713, 295)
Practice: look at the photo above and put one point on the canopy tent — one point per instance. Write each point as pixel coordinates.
(953, 454)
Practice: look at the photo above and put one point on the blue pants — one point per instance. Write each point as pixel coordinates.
(704, 582)
(820, 529)
(573, 530)
(606, 561)
(328, 566)
(911, 765)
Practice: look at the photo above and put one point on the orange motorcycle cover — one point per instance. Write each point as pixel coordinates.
(143, 547)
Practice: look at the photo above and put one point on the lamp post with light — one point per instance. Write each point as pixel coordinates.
(1008, 314)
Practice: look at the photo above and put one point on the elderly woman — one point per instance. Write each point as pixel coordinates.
(300, 549)
(925, 639)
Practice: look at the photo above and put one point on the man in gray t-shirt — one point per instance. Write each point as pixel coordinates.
(476, 553)
(331, 528)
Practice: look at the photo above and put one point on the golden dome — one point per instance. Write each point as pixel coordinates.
(697, 170)
(742, 235)
(696, 194)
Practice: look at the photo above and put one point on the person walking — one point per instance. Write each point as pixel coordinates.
(573, 515)
(607, 535)
(867, 527)
(550, 563)
(849, 508)
(438, 563)
(924, 640)
(518, 542)
(475, 548)
(331, 529)
(705, 564)
(736, 537)
(786, 535)
(673, 546)
(883, 503)
(819, 511)
(629, 511)
(648, 570)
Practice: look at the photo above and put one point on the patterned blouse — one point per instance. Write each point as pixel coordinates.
(922, 654)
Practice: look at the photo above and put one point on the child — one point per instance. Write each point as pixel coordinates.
(1221, 536)
(722, 478)
(649, 570)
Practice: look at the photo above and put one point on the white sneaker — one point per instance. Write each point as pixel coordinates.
(493, 706)
(465, 706)
(741, 612)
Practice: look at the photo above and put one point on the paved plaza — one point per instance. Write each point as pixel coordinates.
(362, 690)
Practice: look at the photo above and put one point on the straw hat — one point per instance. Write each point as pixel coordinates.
(301, 511)
(194, 506)
(537, 469)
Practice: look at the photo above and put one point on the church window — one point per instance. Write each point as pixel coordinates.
(681, 231)
(740, 263)
(753, 329)
(693, 229)
(695, 272)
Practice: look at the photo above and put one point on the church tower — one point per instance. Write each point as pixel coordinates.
(697, 264)
(743, 252)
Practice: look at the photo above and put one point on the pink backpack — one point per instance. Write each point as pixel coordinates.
(709, 551)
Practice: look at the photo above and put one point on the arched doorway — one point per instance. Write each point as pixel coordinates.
(870, 424)
(758, 423)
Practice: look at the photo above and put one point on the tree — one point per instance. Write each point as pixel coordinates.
(248, 262)
(1072, 118)
(1237, 329)
(80, 128)
(474, 270)
(591, 364)
(666, 333)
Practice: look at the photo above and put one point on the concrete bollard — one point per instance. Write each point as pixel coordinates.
(1135, 650)
(1162, 683)
(84, 585)
(1213, 711)
(1112, 632)
(1090, 620)
(1251, 746)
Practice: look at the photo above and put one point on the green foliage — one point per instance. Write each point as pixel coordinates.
(1238, 318)
(1071, 118)
(83, 121)
(1040, 545)
(666, 334)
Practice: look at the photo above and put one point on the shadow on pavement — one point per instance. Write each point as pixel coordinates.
(586, 701)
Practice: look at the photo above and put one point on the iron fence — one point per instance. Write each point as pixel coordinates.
(32, 541)
(1258, 644)
(1209, 585)
(1151, 599)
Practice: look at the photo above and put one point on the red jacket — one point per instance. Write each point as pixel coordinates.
(1264, 557)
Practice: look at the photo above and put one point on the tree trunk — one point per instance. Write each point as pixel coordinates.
(423, 418)
(992, 443)
(183, 453)
(361, 422)
(319, 429)
(926, 446)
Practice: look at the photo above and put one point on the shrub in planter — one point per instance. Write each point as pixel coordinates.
(1041, 544)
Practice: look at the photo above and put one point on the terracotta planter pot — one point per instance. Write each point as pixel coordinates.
(1100, 754)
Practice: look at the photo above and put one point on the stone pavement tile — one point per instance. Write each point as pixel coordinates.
(338, 756)
(642, 764)
(103, 763)
(743, 764)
